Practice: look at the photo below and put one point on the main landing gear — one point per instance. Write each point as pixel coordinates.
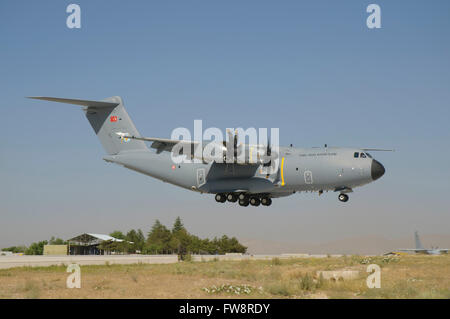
(232, 198)
(244, 202)
(221, 198)
(266, 201)
(343, 197)
(244, 199)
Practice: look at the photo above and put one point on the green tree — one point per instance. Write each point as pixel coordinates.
(141, 238)
(183, 241)
(16, 249)
(56, 241)
(161, 240)
(174, 244)
(178, 225)
(114, 246)
(117, 234)
(235, 246)
(158, 240)
(136, 240)
(225, 245)
(36, 248)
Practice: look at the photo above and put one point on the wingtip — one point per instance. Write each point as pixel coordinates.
(35, 97)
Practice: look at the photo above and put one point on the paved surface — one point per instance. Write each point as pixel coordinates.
(44, 261)
(255, 257)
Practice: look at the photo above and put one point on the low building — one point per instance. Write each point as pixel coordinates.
(94, 244)
(55, 250)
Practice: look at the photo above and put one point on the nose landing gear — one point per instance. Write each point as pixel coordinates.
(343, 197)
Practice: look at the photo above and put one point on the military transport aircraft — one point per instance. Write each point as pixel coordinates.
(421, 250)
(248, 181)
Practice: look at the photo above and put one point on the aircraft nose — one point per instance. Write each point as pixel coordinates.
(377, 170)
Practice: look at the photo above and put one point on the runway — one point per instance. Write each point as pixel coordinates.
(45, 261)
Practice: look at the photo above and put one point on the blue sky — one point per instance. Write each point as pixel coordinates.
(311, 68)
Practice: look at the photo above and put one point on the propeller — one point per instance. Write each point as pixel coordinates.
(268, 154)
(232, 148)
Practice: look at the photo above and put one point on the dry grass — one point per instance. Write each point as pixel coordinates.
(403, 277)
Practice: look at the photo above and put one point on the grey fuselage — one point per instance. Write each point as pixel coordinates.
(300, 169)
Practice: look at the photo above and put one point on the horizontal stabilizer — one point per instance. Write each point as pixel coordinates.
(76, 101)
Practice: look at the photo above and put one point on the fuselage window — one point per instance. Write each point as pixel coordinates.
(356, 155)
(363, 155)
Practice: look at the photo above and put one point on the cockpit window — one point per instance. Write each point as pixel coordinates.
(361, 155)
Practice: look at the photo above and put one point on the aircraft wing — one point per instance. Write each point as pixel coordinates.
(161, 144)
(254, 157)
(158, 140)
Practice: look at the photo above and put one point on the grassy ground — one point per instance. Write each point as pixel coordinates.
(401, 277)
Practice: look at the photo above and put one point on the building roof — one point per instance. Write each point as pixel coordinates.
(105, 237)
(92, 239)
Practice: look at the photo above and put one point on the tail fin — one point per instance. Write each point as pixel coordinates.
(107, 118)
(418, 243)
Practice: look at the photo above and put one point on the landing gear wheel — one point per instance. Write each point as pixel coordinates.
(243, 202)
(266, 201)
(343, 197)
(220, 198)
(254, 201)
(242, 196)
(232, 197)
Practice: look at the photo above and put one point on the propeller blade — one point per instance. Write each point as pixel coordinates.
(235, 141)
(269, 148)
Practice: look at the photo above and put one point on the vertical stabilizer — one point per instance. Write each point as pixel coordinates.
(418, 243)
(110, 122)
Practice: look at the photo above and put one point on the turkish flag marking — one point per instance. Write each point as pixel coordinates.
(113, 118)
